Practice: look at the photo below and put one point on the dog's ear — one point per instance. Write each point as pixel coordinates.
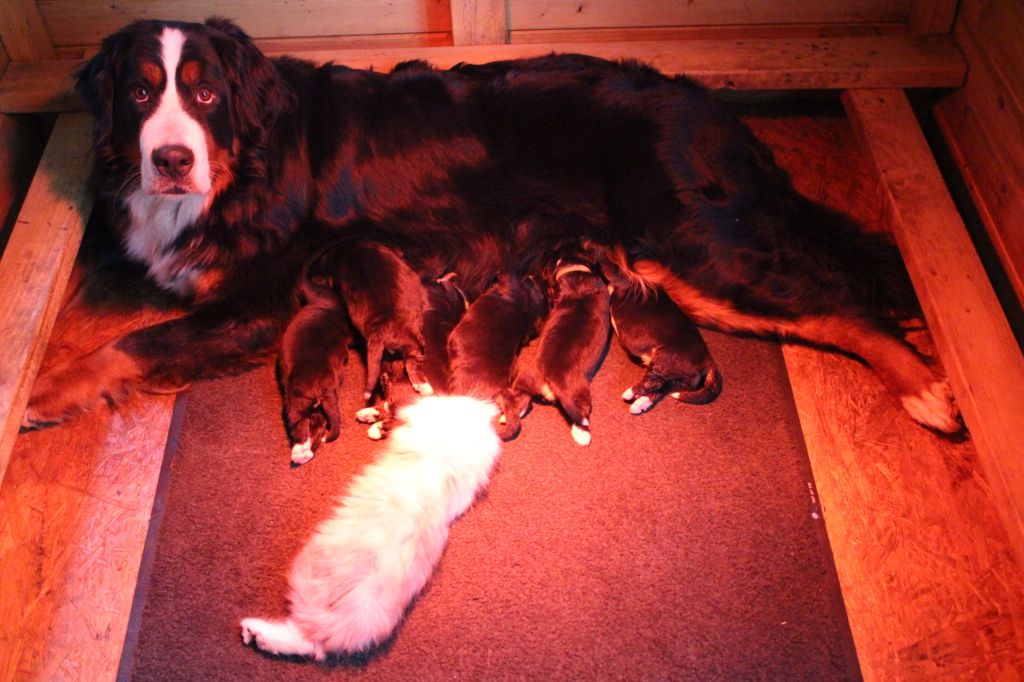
(96, 79)
(259, 93)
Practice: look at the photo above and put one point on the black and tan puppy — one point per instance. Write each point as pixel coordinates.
(484, 345)
(572, 342)
(445, 307)
(385, 302)
(665, 340)
(314, 351)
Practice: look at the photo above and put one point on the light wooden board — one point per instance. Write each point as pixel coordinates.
(539, 14)
(798, 63)
(983, 124)
(980, 354)
(87, 22)
(931, 586)
(75, 508)
(479, 22)
(37, 263)
(23, 32)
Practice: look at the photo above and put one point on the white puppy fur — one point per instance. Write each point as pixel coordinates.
(353, 580)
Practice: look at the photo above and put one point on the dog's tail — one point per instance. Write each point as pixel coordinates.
(351, 583)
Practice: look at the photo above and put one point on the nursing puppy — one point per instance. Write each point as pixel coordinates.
(385, 301)
(571, 345)
(445, 307)
(652, 329)
(319, 333)
(484, 345)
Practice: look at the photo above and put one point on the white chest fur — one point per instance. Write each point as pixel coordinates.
(156, 222)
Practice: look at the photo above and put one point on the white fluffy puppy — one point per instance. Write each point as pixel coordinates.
(351, 583)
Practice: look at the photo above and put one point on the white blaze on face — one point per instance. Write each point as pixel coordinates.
(171, 124)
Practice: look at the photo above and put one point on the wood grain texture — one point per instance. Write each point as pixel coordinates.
(479, 22)
(983, 125)
(540, 14)
(932, 16)
(23, 31)
(772, 64)
(931, 586)
(37, 263)
(978, 349)
(75, 507)
(87, 22)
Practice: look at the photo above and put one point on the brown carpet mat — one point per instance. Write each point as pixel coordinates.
(682, 544)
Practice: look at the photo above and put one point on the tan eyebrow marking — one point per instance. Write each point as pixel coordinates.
(190, 72)
(152, 73)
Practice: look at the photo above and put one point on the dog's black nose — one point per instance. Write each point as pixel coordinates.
(173, 160)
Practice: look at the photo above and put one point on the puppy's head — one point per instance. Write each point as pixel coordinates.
(176, 104)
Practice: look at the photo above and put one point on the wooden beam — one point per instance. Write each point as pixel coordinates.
(932, 16)
(974, 340)
(37, 263)
(23, 32)
(479, 22)
(773, 64)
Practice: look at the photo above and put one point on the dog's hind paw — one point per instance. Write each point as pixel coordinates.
(280, 638)
(934, 407)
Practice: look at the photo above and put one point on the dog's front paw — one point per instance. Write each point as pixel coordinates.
(75, 387)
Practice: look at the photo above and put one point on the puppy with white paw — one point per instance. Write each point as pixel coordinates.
(571, 345)
(652, 329)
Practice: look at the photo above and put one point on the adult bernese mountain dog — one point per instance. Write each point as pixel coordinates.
(225, 173)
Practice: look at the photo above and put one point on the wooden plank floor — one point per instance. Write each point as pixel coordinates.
(75, 506)
(930, 584)
(928, 575)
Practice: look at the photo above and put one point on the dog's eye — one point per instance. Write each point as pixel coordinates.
(205, 96)
(140, 95)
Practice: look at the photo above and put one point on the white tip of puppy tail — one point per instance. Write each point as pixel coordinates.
(934, 407)
(354, 579)
(302, 452)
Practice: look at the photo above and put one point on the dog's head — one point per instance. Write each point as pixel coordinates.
(177, 105)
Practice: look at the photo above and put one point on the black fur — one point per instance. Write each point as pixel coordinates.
(656, 332)
(473, 170)
(571, 345)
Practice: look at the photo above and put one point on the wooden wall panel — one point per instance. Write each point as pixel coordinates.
(87, 22)
(983, 123)
(548, 14)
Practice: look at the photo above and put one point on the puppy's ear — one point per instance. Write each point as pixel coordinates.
(259, 93)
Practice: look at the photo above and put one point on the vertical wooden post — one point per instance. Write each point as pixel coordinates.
(932, 16)
(23, 32)
(479, 22)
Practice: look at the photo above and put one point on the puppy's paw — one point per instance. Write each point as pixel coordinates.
(368, 415)
(280, 638)
(641, 405)
(581, 433)
(934, 407)
(302, 452)
(311, 421)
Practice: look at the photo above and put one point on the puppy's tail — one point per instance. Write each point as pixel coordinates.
(351, 583)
